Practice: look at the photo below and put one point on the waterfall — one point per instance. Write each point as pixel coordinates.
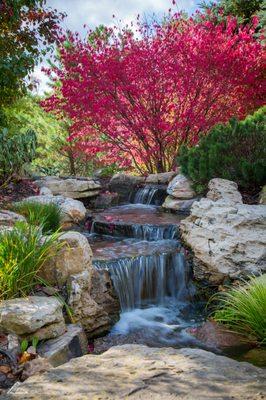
(149, 279)
(145, 195)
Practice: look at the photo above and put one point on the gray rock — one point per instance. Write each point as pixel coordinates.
(180, 188)
(8, 219)
(73, 343)
(139, 372)
(36, 366)
(45, 191)
(32, 316)
(73, 257)
(228, 240)
(93, 301)
(262, 199)
(224, 190)
(171, 203)
(70, 187)
(162, 178)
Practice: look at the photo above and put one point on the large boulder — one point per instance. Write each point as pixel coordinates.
(73, 257)
(228, 240)
(93, 301)
(32, 316)
(223, 189)
(75, 188)
(139, 372)
(8, 219)
(163, 178)
(183, 206)
(73, 211)
(180, 188)
(124, 185)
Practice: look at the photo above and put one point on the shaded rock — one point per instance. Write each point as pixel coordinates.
(32, 316)
(262, 199)
(73, 257)
(105, 200)
(171, 203)
(73, 211)
(73, 343)
(124, 184)
(140, 372)
(217, 336)
(223, 189)
(93, 301)
(36, 366)
(180, 188)
(162, 178)
(8, 219)
(256, 356)
(228, 241)
(70, 187)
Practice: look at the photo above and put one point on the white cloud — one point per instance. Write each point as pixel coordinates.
(96, 12)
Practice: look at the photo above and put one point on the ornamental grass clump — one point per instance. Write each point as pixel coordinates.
(47, 215)
(243, 309)
(23, 251)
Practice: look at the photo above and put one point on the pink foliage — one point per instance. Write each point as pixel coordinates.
(134, 101)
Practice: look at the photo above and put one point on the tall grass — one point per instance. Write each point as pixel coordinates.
(243, 309)
(23, 252)
(47, 215)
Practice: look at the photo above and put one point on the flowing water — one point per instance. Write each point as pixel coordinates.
(150, 194)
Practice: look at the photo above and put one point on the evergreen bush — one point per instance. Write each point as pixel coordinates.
(235, 151)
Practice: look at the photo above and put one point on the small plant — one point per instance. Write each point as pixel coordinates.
(243, 309)
(236, 151)
(46, 215)
(23, 251)
(24, 345)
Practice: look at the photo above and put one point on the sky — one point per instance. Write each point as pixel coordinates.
(96, 12)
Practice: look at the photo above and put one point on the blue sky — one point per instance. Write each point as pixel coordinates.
(96, 12)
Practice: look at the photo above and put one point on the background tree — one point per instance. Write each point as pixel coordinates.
(134, 101)
(28, 28)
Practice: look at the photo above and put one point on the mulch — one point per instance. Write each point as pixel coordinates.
(16, 191)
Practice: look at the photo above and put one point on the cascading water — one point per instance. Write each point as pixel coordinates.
(145, 195)
(148, 279)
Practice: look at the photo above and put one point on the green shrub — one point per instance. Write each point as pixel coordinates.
(46, 215)
(236, 151)
(23, 252)
(16, 151)
(243, 309)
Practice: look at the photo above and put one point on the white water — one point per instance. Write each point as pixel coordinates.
(145, 195)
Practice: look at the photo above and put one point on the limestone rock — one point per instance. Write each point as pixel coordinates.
(45, 191)
(180, 188)
(74, 188)
(171, 203)
(124, 184)
(8, 219)
(73, 211)
(162, 178)
(32, 316)
(227, 240)
(93, 301)
(73, 257)
(139, 372)
(223, 189)
(71, 344)
(262, 199)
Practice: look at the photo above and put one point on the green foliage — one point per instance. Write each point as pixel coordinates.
(243, 9)
(48, 216)
(236, 151)
(16, 151)
(24, 345)
(27, 31)
(23, 251)
(243, 309)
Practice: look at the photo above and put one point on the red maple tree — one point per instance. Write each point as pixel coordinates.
(134, 100)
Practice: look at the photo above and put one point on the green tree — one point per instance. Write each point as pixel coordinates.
(28, 29)
(235, 151)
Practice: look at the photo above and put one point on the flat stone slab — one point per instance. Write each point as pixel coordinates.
(139, 372)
